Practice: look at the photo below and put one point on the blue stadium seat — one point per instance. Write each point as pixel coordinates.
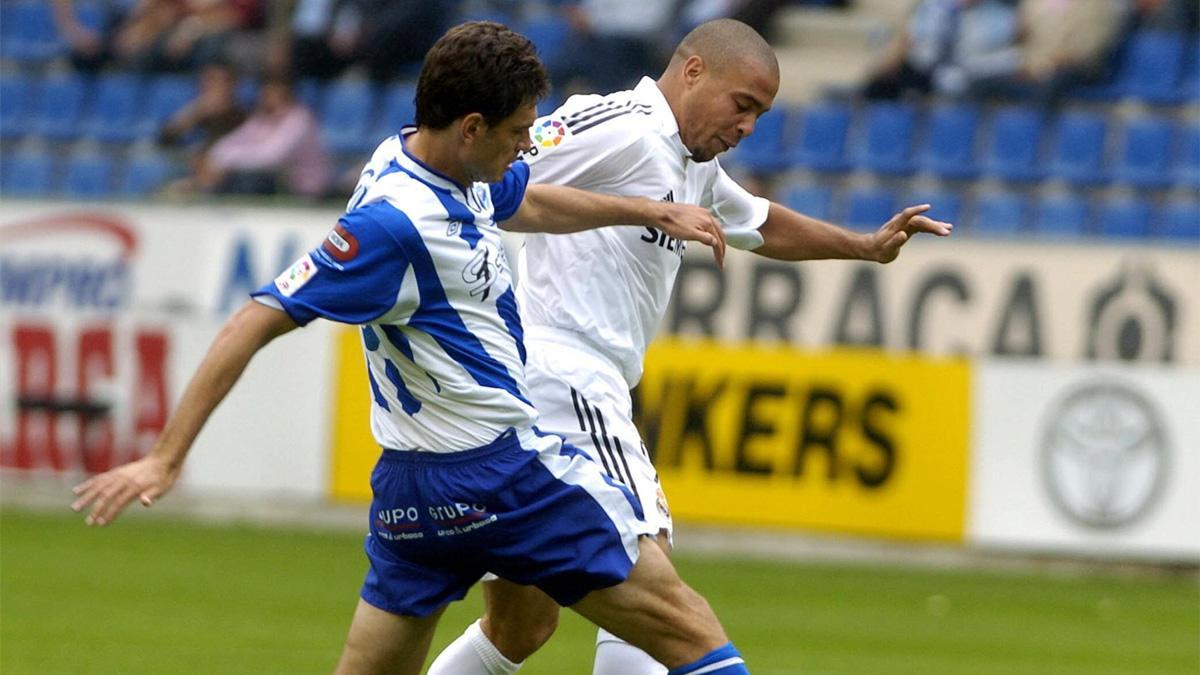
(1151, 66)
(811, 200)
(115, 113)
(1063, 215)
(868, 208)
(946, 205)
(1013, 144)
(548, 33)
(166, 95)
(764, 150)
(88, 176)
(885, 145)
(1185, 169)
(1181, 220)
(144, 175)
(1125, 217)
(27, 32)
(348, 115)
(26, 173)
(820, 136)
(948, 149)
(310, 92)
(14, 105)
(60, 104)
(1145, 153)
(1077, 154)
(1189, 78)
(999, 213)
(399, 110)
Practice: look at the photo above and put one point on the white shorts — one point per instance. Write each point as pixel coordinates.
(581, 396)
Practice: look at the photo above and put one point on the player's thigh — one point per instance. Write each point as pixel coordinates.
(382, 642)
(654, 610)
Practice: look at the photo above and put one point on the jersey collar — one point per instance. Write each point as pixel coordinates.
(423, 171)
(647, 90)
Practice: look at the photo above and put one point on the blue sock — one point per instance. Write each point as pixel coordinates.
(720, 661)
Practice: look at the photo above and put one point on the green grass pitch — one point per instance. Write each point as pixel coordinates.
(152, 595)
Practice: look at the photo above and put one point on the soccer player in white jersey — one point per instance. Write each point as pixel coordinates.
(588, 329)
(466, 483)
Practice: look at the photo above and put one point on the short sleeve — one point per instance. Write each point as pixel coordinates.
(739, 212)
(353, 277)
(508, 193)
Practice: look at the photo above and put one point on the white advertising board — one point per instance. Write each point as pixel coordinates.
(1067, 301)
(106, 310)
(1091, 460)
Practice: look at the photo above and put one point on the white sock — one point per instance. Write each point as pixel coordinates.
(615, 656)
(472, 654)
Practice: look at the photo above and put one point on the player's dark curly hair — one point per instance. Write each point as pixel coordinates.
(482, 67)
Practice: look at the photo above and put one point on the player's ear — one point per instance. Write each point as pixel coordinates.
(471, 127)
(693, 69)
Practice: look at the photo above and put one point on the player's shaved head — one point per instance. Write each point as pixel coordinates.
(725, 43)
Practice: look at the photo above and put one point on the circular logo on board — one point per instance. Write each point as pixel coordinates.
(1104, 455)
(549, 133)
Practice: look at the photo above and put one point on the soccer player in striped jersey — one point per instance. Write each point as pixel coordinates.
(466, 482)
(587, 330)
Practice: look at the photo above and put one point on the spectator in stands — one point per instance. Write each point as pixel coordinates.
(946, 46)
(214, 112)
(612, 43)
(90, 48)
(1165, 15)
(277, 149)
(1066, 42)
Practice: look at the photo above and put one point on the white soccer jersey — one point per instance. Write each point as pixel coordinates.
(418, 263)
(609, 287)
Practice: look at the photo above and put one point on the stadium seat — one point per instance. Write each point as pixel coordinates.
(118, 103)
(885, 144)
(1189, 78)
(88, 176)
(1013, 144)
(1145, 153)
(166, 95)
(26, 173)
(144, 175)
(1077, 154)
(14, 104)
(348, 115)
(1125, 217)
(59, 108)
(946, 204)
(948, 148)
(27, 32)
(868, 208)
(811, 200)
(763, 150)
(398, 110)
(310, 92)
(820, 137)
(1181, 220)
(1185, 169)
(1063, 215)
(548, 33)
(999, 213)
(1151, 66)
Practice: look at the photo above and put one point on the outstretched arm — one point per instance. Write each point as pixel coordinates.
(146, 479)
(556, 209)
(788, 235)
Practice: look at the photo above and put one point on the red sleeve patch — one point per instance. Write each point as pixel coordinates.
(340, 244)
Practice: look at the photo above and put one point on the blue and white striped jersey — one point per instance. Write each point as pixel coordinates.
(417, 262)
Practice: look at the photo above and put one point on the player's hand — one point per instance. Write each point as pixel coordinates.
(886, 243)
(693, 223)
(109, 493)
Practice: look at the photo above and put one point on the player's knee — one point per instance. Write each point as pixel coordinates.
(517, 638)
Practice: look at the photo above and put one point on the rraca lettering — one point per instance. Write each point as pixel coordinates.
(658, 238)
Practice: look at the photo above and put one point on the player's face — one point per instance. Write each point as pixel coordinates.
(499, 145)
(722, 108)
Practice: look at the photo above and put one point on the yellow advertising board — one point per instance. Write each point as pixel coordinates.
(841, 441)
(849, 441)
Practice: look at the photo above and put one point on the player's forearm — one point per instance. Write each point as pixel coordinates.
(788, 235)
(555, 209)
(251, 328)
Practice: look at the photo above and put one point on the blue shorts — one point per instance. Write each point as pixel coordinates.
(527, 507)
